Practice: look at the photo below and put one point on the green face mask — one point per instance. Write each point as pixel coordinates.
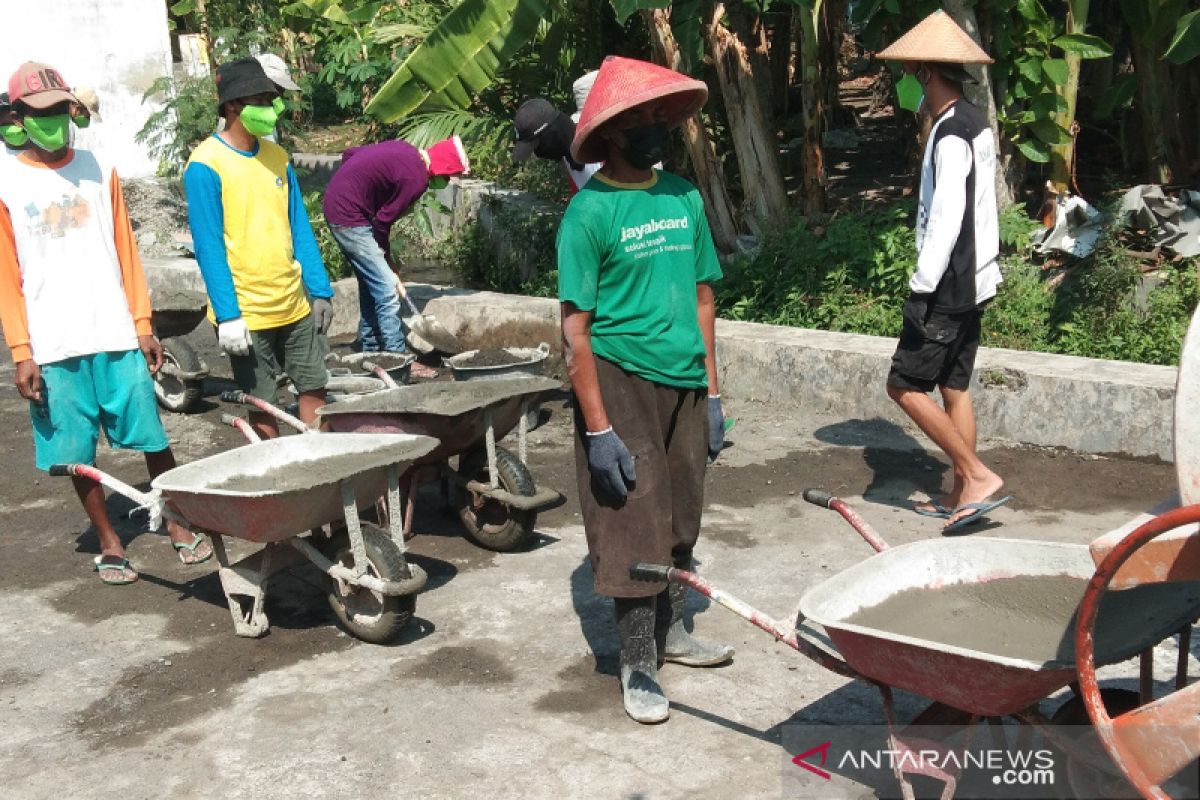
(279, 106)
(48, 133)
(438, 182)
(81, 121)
(259, 120)
(14, 135)
(910, 93)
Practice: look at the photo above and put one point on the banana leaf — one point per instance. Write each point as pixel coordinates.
(460, 57)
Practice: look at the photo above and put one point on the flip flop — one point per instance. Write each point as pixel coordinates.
(196, 542)
(938, 510)
(979, 510)
(119, 568)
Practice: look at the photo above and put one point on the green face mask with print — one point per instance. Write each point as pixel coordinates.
(910, 93)
(48, 133)
(259, 120)
(14, 135)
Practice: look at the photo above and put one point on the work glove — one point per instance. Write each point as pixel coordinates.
(234, 337)
(322, 311)
(610, 463)
(716, 427)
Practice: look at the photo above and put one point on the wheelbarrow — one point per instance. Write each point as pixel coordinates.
(495, 495)
(968, 684)
(175, 313)
(279, 493)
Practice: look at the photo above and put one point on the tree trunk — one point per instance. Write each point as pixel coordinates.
(812, 103)
(829, 34)
(750, 127)
(710, 179)
(983, 97)
(780, 39)
(1062, 156)
(1151, 108)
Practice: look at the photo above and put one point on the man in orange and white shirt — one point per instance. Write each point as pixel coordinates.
(75, 308)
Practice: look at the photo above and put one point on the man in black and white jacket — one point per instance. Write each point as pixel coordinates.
(957, 265)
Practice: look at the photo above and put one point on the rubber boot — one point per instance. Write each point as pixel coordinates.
(643, 697)
(675, 643)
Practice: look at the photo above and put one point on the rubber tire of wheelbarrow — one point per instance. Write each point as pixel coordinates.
(1081, 778)
(181, 354)
(388, 563)
(517, 531)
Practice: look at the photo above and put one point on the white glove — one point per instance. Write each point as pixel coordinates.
(234, 337)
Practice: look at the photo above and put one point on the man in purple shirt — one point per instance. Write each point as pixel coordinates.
(375, 186)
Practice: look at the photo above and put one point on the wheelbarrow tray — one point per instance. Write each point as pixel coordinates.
(309, 493)
(453, 412)
(176, 312)
(973, 680)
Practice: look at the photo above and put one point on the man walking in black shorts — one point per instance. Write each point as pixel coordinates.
(957, 273)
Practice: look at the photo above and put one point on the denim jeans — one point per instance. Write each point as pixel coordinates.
(378, 302)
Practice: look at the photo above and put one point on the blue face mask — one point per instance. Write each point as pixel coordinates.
(910, 93)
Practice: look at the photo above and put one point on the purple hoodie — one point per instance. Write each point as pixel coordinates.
(374, 186)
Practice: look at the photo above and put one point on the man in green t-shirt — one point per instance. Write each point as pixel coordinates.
(635, 264)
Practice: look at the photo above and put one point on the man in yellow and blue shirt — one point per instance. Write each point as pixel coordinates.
(268, 290)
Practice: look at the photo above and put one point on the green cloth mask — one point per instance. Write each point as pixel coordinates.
(438, 182)
(48, 133)
(910, 93)
(259, 120)
(14, 135)
(81, 121)
(279, 106)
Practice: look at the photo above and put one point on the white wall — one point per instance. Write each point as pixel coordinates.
(118, 47)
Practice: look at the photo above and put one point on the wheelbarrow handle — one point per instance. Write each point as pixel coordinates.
(651, 573)
(819, 497)
(239, 397)
(62, 470)
(241, 425)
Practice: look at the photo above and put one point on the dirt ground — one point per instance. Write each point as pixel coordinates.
(502, 686)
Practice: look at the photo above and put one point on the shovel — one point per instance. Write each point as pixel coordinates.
(425, 333)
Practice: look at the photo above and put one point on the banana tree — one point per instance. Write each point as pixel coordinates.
(1155, 27)
(1077, 45)
(812, 104)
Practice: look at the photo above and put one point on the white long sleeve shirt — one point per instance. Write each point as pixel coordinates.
(958, 239)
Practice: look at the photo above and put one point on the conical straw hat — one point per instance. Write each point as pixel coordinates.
(936, 38)
(623, 83)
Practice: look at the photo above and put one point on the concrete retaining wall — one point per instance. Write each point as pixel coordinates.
(1082, 404)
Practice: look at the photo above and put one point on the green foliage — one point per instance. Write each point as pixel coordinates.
(460, 57)
(850, 276)
(331, 253)
(1016, 229)
(188, 115)
(528, 248)
(853, 277)
(1185, 45)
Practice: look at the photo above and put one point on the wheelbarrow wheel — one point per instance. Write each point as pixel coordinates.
(490, 523)
(1085, 781)
(174, 393)
(369, 615)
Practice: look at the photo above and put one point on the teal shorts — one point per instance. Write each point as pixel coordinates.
(81, 395)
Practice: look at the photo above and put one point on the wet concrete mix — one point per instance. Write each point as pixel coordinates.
(444, 399)
(1030, 617)
(299, 475)
(491, 357)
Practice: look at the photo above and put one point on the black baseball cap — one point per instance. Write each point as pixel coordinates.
(532, 118)
(242, 78)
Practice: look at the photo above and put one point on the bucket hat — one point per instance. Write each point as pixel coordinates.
(622, 84)
(242, 78)
(936, 38)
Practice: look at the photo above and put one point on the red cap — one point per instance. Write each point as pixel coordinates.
(623, 83)
(38, 86)
(447, 157)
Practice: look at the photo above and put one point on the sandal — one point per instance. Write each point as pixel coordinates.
(122, 569)
(197, 540)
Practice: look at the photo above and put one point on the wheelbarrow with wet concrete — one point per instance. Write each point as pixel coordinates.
(986, 628)
(491, 489)
(174, 314)
(299, 497)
